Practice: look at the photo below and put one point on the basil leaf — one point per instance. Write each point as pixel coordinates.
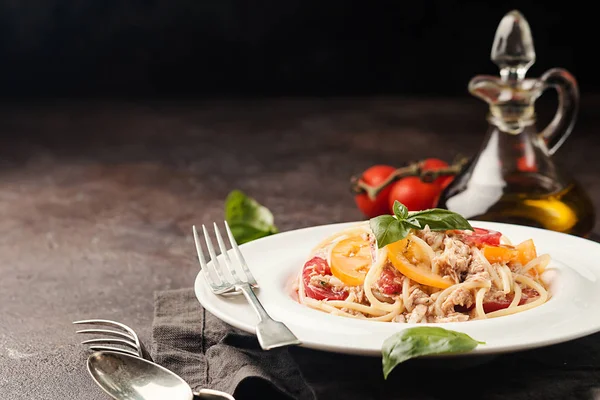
(388, 229)
(423, 340)
(247, 219)
(439, 220)
(400, 210)
(246, 233)
(413, 223)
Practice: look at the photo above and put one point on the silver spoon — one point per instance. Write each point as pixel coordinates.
(126, 377)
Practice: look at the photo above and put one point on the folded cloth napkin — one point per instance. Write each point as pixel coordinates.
(209, 353)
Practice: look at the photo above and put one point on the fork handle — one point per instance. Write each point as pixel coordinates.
(270, 333)
(254, 302)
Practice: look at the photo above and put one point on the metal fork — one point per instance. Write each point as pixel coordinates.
(270, 333)
(124, 336)
(127, 337)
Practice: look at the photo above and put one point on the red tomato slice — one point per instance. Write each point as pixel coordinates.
(481, 236)
(389, 282)
(319, 266)
(492, 306)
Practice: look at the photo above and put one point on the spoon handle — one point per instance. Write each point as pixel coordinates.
(209, 394)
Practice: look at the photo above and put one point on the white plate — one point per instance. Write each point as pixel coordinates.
(275, 260)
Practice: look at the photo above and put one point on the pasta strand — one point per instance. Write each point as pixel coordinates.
(365, 302)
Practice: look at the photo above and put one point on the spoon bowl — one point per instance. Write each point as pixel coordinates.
(126, 377)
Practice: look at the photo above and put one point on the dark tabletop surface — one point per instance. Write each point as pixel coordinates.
(97, 199)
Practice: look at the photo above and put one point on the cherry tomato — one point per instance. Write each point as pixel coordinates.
(442, 187)
(390, 281)
(415, 194)
(375, 176)
(319, 266)
(491, 306)
(433, 164)
(447, 182)
(480, 237)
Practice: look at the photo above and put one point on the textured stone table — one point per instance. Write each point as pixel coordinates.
(97, 200)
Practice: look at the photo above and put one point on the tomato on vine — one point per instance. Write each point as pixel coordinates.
(434, 164)
(417, 185)
(374, 176)
(415, 194)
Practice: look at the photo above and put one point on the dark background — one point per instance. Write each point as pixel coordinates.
(208, 48)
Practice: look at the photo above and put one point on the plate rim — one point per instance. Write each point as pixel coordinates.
(479, 351)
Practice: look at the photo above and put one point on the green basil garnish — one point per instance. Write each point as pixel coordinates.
(391, 228)
(247, 219)
(388, 229)
(400, 210)
(440, 220)
(423, 340)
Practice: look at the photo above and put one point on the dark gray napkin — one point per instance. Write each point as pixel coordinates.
(207, 352)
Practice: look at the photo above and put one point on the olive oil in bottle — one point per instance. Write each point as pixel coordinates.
(513, 178)
(528, 199)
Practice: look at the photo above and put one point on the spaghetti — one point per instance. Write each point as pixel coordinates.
(426, 277)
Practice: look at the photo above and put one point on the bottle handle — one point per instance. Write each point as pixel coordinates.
(562, 124)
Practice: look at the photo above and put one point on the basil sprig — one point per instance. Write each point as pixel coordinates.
(391, 228)
(423, 340)
(248, 219)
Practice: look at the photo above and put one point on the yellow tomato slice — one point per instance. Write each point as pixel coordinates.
(527, 251)
(500, 254)
(408, 258)
(350, 260)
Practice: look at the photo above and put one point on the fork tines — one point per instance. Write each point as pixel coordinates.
(270, 333)
(215, 263)
(124, 337)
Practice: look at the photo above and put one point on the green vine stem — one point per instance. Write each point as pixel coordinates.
(358, 186)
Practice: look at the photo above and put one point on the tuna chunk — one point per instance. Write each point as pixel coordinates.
(454, 260)
(418, 314)
(434, 239)
(459, 297)
(417, 297)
